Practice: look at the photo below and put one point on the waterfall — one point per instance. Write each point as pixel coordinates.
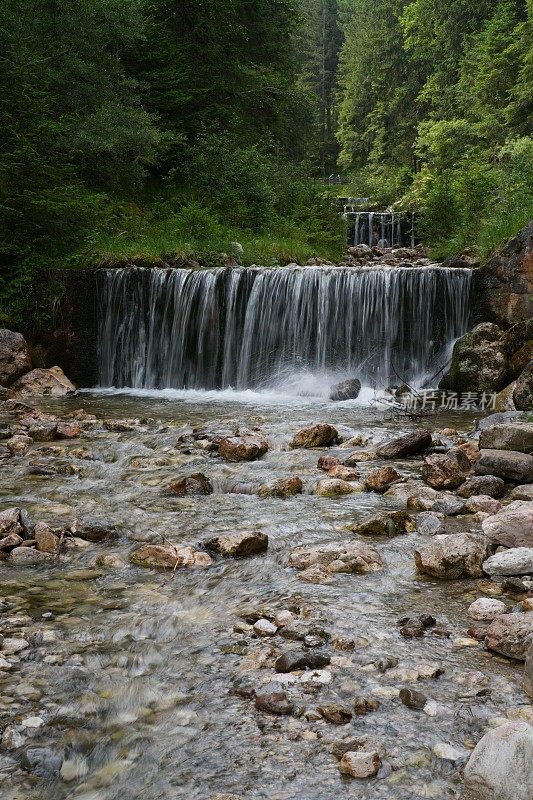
(372, 227)
(254, 327)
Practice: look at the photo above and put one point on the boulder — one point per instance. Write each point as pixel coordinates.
(333, 487)
(500, 765)
(514, 436)
(516, 561)
(169, 556)
(94, 529)
(10, 522)
(479, 361)
(50, 382)
(483, 503)
(512, 526)
(327, 463)
(488, 485)
(485, 609)
(423, 499)
(360, 764)
(507, 464)
(347, 390)
(243, 448)
(443, 471)
(524, 492)
(343, 473)
(459, 555)
(46, 541)
(14, 357)
(523, 390)
(10, 541)
(238, 545)
(319, 435)
(527, 681)
(283, 487)
(379, 480)
(197, 484)
(429, 523)
(407, 445)
(28, 556)
(511, 635)
(353, 557)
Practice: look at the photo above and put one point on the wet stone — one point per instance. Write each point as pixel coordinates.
(239, 545)
(294, 661)
(335, 714)
(274, 702)
(413, 699)
(197, 484)
(360, 764)
(379, 480)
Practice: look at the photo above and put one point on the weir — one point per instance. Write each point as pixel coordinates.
(379, 228)
(250, 328)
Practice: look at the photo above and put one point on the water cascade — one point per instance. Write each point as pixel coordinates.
(253, 328)
(379, 228)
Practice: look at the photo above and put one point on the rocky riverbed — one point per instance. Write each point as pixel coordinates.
(326, 618)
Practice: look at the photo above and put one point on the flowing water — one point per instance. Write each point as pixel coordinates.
(292, 330)
(135, 689)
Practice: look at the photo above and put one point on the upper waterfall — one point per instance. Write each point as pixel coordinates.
(254, 327)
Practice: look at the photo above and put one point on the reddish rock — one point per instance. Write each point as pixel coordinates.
(197, 484)
(243, 448)
(443, 471)
(511, 635)
(379, 480)
(319, 435)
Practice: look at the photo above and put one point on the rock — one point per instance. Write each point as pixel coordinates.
(460, 555)
(485, 609)
(405, 446)
(335, 714)
(364, 705)
(320, 435)
(46, 540)
(523, 390)
(52, 382)
(294, 661)
(353, 557)
(197, 484)
(42, 762)
(500, 765)
(10, 522)
(359, 458)
(516, 561)
(263, 627)
(443, 471)
(343, 473)
(108, 561)
(327, 463)
(332, 487)
(347, 390)
(446, 752)
(360, 764)
(527, 682)
(14, 357)
(479, 361)
(524, 492)
(27, 556)
(511, 635)
(512, 526)
(168, 556)
(413, 699)
(68, 430)
(283, 487)
(428, 523)
(468, 449)
(284, 618)
(391, 523)
(517, 436)
(483, 503)
(504, 399)
(43, 431)
(423, 499)
(274, 703)
(238, 545)
(94, 529)
(10, 541)
(482, 485)
(449, 505)
(379, 480)
(243, 448)
(507, 464)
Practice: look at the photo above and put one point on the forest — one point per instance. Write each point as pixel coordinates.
(143, 128)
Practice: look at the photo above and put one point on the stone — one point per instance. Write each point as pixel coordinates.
(14, 356)
(517, 436)
(391, 523)
(500, 765)
(335, 714)
(283, 487)
(343, 473)
(359, 458)
(443, 471)
(428, 523)
(468, 449)
(483, 503)
(460, 555)
(486, 609)
(28, 556)
(333, 487)
(68, 430)
(295, 660)
(523, 390)
(108, 561)
(10, 646)
(413, 699)
(353, 557)
(379, 480)
(263, 627)
(449, 505)
(423, 499)
(42, 762)
(479, 361)
(527, 682)
(347, 390)
(10, 522)
(511, 635)
(197, 484)
(524, 492)
(319, 435)
(360, 764)
(46, 540)
(238, 545)
(512, 526)
(404, 446)
(507, 464)
(243, 448)
(50, 382)
(364, 705)
(327, 463)
(94, 529)
(275, 702)
(10, 541)
(515, 561)
(446, 752)
(169, 556)
(284, 618)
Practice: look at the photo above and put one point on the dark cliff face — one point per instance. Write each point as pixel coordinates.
(503, 288)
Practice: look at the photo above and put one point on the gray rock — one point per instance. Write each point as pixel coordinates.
(28, 556)
(507, 464)
(347, 390)
(455, 556)
(407, 445)
(449, 506)
(352, 557)
(516, 436)
(488, 485)
(239, 545)
(512, 526)
(500, 765)
(523, 391)
(479, 361)
(429, 524)
(527, 682)
(511, 635)
(42, 761)
(516, 561)
(14, 357)
(524, 492)
(10, 522)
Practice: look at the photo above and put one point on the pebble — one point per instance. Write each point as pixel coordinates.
(284, 618)
(413, 699)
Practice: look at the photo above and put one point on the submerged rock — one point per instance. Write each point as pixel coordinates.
(239, 545)
(168, 556)
(275, 702)
(347, 390)
(454, 556)
(319, 435)
(353, 557)
(388, 523)
(407, 445)
(500, 765)
(333, 487)
(283, 487)
(343, 473)
(511, 635)
(512, 526)
(197, 484)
